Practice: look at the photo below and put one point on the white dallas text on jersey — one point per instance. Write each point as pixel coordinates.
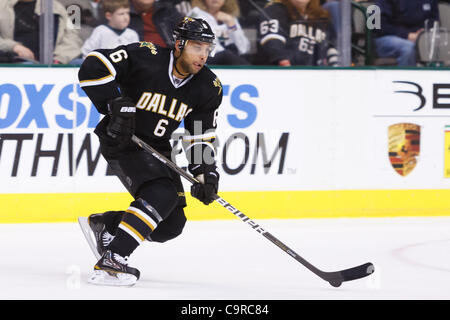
(155, 102)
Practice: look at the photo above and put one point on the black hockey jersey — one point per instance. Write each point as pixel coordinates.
(303, 42)
(143, 72)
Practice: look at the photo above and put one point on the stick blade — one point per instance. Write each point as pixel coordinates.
(358, 272)
(336, 278)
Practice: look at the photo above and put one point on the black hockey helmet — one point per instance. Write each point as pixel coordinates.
(193, 29)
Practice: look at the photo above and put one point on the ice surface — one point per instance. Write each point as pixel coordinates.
(228, 260)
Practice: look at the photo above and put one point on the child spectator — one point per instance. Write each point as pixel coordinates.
(115, 32)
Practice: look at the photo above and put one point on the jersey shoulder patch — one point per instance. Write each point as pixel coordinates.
(207, 81)
(151, 46)
(218, 85)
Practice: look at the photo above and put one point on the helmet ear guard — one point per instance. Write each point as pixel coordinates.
(182, 44)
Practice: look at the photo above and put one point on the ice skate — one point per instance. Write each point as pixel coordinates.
(113, 270)
(95, 233)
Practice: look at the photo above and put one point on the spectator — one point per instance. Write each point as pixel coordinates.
(222, 16)
(154, 21)
(296, 32)
(115, 32)
(19, 31)
(333, 8)
(401, 23)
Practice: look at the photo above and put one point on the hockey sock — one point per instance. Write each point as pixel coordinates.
(155, 200)
(138, 221)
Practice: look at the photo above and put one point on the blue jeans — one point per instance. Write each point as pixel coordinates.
(333, 9)
(395, 47)
(76, 61)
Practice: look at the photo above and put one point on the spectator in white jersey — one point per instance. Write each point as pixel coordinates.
(115, 32)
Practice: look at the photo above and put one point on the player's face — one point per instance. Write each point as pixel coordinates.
(194, 56)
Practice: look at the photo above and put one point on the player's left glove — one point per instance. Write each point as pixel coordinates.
(206, 190)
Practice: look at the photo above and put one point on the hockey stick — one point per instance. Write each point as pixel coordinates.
(334, 278)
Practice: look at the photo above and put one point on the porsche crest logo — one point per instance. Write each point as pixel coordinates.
(404, 147)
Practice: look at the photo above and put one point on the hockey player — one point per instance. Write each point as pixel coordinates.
(296, 32)
(148, 90)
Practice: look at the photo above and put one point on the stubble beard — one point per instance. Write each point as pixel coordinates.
(188, 67)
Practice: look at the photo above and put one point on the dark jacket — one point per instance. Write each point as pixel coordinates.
(401, 17)
(165, 18)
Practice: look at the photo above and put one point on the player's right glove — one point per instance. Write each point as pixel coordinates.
(206, 189)
(121, 125)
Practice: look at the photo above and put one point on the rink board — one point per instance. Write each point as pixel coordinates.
(292, 143)
(30, 208)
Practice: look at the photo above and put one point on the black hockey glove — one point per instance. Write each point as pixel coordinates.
(121, 125)
(206, 190)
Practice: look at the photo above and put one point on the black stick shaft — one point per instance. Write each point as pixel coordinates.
(327, 276)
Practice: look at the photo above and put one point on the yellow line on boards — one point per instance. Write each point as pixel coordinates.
(66, 207)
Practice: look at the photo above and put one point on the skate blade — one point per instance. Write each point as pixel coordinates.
(103, 278)
(87, 232)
